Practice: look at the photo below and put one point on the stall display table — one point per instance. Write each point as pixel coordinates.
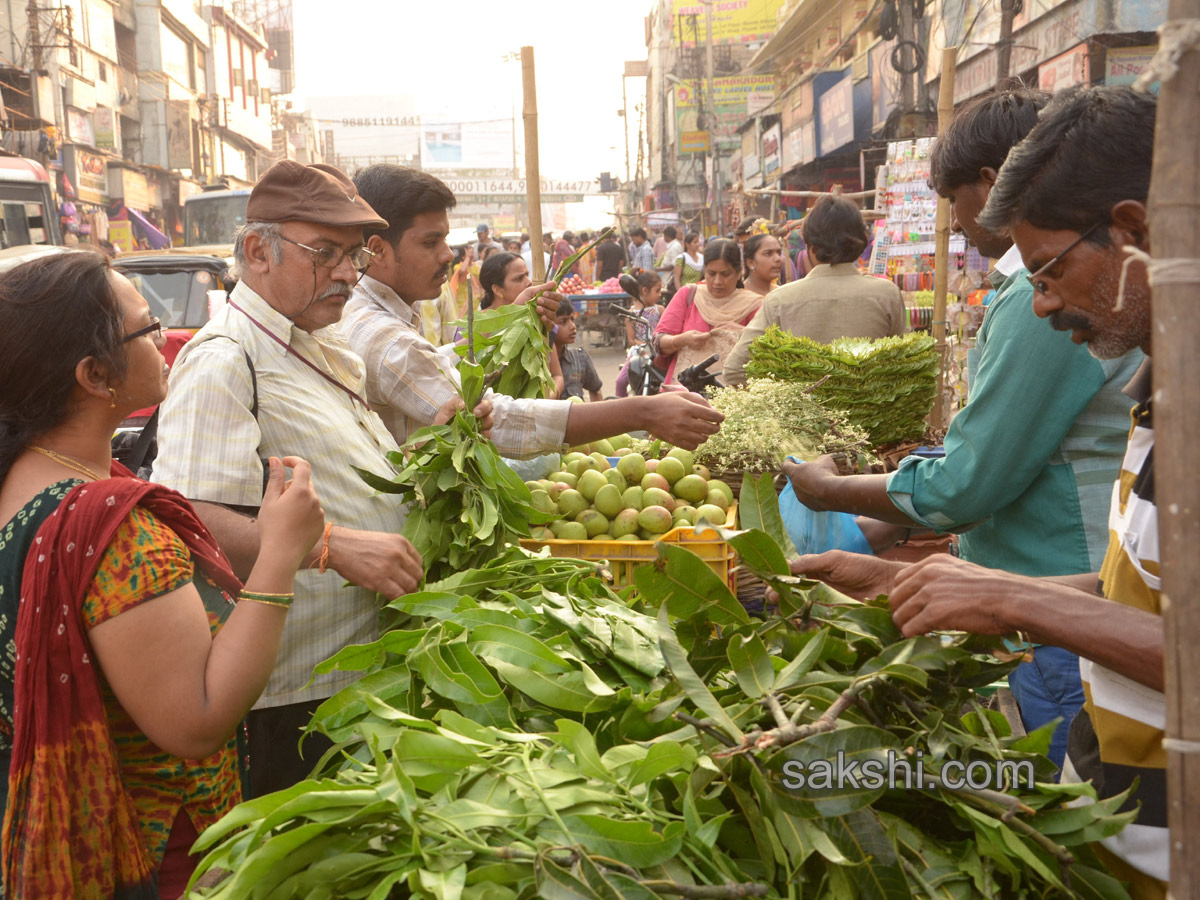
(595, 315)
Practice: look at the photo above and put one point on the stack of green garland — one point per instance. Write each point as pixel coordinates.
(886, 387)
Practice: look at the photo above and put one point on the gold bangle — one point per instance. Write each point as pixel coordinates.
(284, 600)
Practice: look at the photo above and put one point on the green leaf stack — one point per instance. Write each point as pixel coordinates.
(527, 732)
(885, 387)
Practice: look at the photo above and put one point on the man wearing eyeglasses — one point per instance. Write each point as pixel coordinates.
(1030, 460)
(267, 376)
(1073, 198)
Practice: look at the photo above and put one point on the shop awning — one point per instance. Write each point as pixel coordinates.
(155, 238)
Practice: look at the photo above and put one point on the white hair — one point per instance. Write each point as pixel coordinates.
(271, 237)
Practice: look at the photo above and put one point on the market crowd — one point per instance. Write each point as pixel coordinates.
(128, 726)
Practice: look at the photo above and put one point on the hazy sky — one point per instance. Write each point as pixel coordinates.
(448, 56)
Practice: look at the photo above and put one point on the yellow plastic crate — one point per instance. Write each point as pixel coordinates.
(624, 556)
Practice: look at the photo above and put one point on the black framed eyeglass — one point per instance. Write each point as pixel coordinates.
(1039, 285)
(331, 257)
(154, 329)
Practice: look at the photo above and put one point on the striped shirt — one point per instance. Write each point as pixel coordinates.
(1118, 737)
(210, 446)
(408, 379)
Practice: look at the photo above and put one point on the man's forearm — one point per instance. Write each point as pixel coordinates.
(236, 533)
(1126, 640)
(866, 495)
(1089, 582)
(588, 422)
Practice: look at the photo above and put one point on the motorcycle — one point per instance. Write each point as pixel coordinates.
(645, 378)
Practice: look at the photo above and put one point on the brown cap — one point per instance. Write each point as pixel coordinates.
(292, 192)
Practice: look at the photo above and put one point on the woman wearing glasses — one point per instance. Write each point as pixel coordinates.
(132, 651)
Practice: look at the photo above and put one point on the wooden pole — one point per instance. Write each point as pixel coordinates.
(941, 257)
(533, 173)
(1175, 234)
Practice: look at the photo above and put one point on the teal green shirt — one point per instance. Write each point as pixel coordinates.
(1031, 459)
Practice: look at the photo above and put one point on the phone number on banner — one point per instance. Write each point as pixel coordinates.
(516, 186)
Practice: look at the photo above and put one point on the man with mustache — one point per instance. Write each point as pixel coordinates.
(1029, 464)
(1072, 196)
(265, 377)
(409, 380)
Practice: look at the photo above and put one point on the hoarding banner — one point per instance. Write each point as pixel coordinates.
(733, 21)
(515, 187)
(104, 128)
(91, 177)
(468, 145)
(735, 98)
(837, 116)
(798, 146)
(750, 160)
(693, 142)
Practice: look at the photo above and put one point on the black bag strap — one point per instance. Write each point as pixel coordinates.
(142, 448)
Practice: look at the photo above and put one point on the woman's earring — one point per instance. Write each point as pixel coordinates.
(112, 398)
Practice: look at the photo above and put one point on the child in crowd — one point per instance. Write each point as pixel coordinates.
(579, 373)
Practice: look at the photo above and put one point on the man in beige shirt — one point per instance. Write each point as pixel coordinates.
(833, 300)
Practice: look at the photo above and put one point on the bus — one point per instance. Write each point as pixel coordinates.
(28, 215)
(213, 216)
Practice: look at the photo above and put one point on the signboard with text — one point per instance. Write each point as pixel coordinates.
(693, 142)
(772, 152)
(1123, 65)
(1067, 70)
(733, 21)
(735, 99)
(837, 116)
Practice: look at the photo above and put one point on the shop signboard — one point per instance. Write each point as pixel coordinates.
(79, 127)
(104, 128)
(733, 21)
(693, 142)
(837, 116)
(1123, 65)
(1067, 70)
(179, 134)
(90, 175)
(735, 99)
(808, 141)
(120, 232)
(750, 161)
(131, 187)
(797, 106)
(772, 152)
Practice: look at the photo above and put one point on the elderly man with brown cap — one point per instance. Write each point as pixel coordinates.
(267, 377)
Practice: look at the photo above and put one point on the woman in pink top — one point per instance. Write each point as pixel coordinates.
(708, 317)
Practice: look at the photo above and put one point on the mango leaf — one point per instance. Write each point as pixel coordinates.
(758, 550)
(634, 843)
(758, 507)
(683, 583)
(751, 665)
(576, 738)
(833, 773)
(696, 690)
(663, 758)
(791, 674)
(556, 883)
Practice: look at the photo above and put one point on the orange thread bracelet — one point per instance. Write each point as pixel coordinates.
(323, 561)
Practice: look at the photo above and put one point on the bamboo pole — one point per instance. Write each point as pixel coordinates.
(941, 257)
(533, 173)
(1175, 234)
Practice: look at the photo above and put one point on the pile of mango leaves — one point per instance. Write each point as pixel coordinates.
(527, 732)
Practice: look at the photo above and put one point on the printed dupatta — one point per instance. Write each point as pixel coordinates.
(70, 829)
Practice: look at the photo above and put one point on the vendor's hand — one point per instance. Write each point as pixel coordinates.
(813, 481)
(290, 520)
(946, 593)
(856, 575)
(547, 304)
(682, 418)
(385, 563)
(482, 412)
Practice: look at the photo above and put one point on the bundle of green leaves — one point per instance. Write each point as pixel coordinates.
(770, 419)
(885, 387)
(529, 733)
(509, 342)
(466, 504)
